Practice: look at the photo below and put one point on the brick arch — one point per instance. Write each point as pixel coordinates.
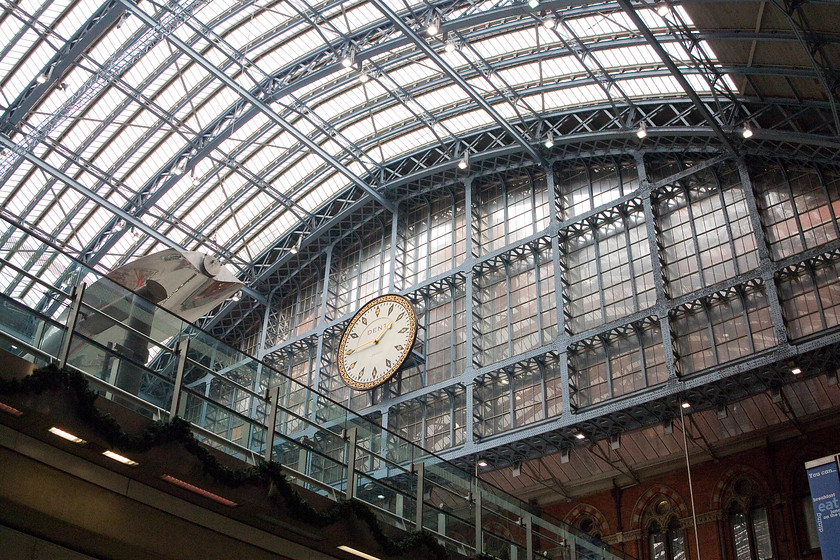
(645, 500)
(581, 510)
(728, 479)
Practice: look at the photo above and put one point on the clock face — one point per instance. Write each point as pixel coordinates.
(377, 342)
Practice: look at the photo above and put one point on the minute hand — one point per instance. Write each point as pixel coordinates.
(374, 341)
(380, 335)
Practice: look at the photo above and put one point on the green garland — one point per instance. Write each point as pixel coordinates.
(178, 431)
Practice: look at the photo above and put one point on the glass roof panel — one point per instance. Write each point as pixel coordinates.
(376, 115)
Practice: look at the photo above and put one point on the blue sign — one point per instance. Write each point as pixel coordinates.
(825, 493)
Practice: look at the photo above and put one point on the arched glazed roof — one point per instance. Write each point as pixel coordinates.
(241, 128)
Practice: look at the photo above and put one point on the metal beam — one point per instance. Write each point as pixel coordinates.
(459, 81)
(259, 104)
(678, 75)
(75, 47)
(130, 219)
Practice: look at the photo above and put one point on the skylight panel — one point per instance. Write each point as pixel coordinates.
(363, 15)
(21, 76)
(359, 130)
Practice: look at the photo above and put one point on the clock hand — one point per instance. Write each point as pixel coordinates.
(380, 335)
(374, 341)
(351, 350)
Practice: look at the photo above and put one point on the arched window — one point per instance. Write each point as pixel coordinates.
(666, 539)
(589, 525)
(749, 527)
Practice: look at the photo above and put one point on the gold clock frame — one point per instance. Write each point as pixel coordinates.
(399, 300)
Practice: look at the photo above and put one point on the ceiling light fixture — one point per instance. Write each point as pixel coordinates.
(179, 169)
(119, 458)
(549, 22)
(580, 435)
(796, 371)
(663, 9)
(686, 405)
(641, 132)
(10, 410)
(549, 140)
(464, 162)
(66, 435)
(533, 4)
(450, 46)
(42, 78)
(747, 131)
(433, 28)
(363, 76)
(296, 247)
(482, 463)
(196, 490)
(349, 57)
(358, 553)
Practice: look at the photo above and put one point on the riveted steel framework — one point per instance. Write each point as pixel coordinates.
(592, 298)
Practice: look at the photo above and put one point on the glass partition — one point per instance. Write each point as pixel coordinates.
(145, 358)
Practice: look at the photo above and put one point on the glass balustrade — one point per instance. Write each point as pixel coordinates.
(145, 358)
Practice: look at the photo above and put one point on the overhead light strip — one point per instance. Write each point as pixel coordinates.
(200, 491)
(358, 553)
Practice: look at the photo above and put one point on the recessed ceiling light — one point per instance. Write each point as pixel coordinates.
(358, 553)
(686, 405)
(119, 458)
(66, 435)
(482, 463)
(10, 410)
(580, 435)
(796, 371)
(200, 491)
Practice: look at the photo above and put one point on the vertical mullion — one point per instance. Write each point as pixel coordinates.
(723, 209)
(537, 279)
(601, 298)
(742, 295)
(605, 344)
(508, 312)
(629, 247)
(795, 209)
(505, 210)
(693, 226)
(708, 313)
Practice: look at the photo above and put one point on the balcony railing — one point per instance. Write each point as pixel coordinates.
(148, 359)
